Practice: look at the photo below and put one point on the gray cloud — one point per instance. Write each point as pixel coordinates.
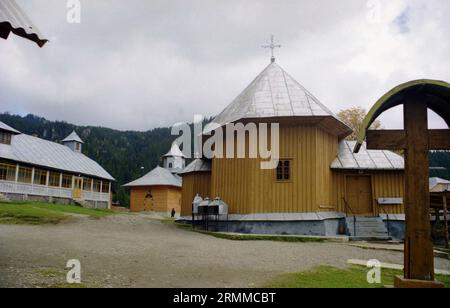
(141, 64)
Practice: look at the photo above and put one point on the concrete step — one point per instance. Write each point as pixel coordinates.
(366, 228)
(365, 219)
(81, 203)
(369, 228)
(363, 227)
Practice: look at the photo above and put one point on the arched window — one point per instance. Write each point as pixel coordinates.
(170, 165)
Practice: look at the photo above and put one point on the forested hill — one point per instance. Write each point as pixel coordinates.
(121, 153)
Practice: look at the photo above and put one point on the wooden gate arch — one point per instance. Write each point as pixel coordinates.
(416, 140)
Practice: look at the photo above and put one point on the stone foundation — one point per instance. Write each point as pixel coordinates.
(314, 224)
(396, 229)
(58, 200)
(95, 204)
(318, 228)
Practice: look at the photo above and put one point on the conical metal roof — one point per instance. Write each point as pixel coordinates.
(73, 137)
(175, 151)
(273, 94)
(157, 177)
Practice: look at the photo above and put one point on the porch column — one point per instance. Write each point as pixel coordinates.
(16, 178)
(47, 182)
(109, 196)
(60, 180)
(32, 178)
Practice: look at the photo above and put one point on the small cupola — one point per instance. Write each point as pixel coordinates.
(6, 133)
(74, 142)
(174, 160)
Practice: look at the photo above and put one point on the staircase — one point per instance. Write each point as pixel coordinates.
(82, 203)
(367, 228)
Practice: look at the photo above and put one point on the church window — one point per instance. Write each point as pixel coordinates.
(283, 170)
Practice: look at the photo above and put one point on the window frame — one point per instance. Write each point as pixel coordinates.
(67, 179)
(97, 186)
(9, 172)
(52, 177)
(87, 183)
(290, 168)
(39, 173)
(105, 183)
(5, 137)
(28, 171)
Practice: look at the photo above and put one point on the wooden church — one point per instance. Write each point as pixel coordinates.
(320, 186)
(159, 191)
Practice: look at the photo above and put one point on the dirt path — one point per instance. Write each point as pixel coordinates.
(137, 251)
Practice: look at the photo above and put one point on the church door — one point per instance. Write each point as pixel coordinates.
(359, 195)
(148, 202)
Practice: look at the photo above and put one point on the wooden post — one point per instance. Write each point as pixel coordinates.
(447, 245)
(418, 244)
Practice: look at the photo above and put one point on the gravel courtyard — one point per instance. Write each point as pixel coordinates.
(138, 251)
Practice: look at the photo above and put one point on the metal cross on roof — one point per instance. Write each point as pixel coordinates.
(272, 46)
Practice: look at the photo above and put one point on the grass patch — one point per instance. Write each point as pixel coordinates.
(37, 213)
(251, 237)
(168, 220)
(331, 277)
(51, 273)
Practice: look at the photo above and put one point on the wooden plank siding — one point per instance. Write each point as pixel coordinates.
(193, 184)
(164, 199)
(248, 189)
(313, 187)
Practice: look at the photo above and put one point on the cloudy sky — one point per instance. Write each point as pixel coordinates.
(140, 64)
